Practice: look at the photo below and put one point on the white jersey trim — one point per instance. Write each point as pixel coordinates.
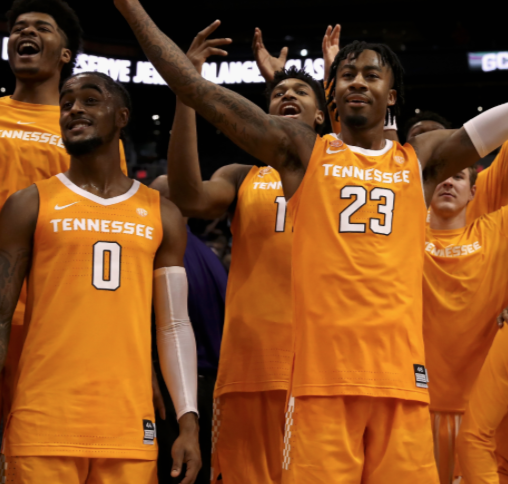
(94, 198)
(356, 149)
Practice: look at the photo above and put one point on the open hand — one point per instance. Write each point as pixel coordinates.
(202, 47)
(186, 449)
(267, 64)
(330, 47)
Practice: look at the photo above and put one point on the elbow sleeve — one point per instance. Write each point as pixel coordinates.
(175, 338)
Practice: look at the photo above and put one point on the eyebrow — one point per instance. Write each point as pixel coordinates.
(38, 22)
(365, 68)
(83, 87)
(298, 84)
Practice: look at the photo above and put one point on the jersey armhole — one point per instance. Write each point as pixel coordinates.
(232, 208)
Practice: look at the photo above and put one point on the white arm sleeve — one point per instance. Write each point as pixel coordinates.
(489, 129)
(175, 338)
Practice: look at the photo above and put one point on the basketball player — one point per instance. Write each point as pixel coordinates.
(361, 406)
(483, 438)
(461, 267)
(94, 242)
(256, 350)
(44, 40)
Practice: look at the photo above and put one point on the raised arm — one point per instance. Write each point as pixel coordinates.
(442, 153)
(277, 141)
(175, 340)
(18, 219)
(268, 64)
(193, 196)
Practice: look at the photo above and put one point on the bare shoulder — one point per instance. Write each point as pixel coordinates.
(161, 185)
(23, 205)
(170, 214)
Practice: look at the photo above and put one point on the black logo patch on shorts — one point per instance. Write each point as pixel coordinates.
(421, 376)
(149, 433)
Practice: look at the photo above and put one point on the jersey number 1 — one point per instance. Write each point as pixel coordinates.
(360, 193)
(280, 218)
(106, 261)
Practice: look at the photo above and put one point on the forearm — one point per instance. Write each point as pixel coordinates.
(13, 265)
(184, 174)
(175, 338)
(239, 119)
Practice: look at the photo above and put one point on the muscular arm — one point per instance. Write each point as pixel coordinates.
(18, 219)
(193, 196)
(279, 142)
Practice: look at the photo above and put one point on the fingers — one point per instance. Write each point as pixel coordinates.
(257, 41)
(502, 318)
(326, 38)
(211, 51)
(335, 36)
(177, 453)
(193, 466)
(216, 42)
(283, 54)
(208, 30)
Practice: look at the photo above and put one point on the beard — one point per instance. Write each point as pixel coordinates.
(356, 121)
(84, 147)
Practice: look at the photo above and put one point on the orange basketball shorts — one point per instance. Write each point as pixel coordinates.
(78, 470)
(353, 440)
(247, 437)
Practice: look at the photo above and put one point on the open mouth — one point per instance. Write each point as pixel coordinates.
(357, 100)
(290, 110)
(79, 124)
(28, 48)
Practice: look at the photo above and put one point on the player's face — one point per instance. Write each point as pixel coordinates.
(363, 90)
(37, 47)
(424, 127)
(89, 114)
(453, 195)
(295, 99)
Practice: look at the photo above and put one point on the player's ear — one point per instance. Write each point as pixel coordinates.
(320, 117)
(66, 55)
(122, 117)
(392, 97)
(472, 193)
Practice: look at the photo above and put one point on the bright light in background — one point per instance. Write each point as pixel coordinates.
(480, 109)
(155, 117)
(2, 89)
(304, 52)
(417, 110)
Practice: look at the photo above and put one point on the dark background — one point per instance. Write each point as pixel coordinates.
(431, 38)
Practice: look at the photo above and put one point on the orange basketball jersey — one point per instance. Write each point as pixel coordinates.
(31, 149)
(84, 380)
(359, 226)
(256, 349)
(465, 287)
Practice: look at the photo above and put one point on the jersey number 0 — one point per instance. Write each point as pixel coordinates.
(106, 263)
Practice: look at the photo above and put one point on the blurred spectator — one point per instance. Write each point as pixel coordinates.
(207, 293)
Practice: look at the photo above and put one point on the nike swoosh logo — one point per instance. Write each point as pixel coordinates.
(31, 122)
(330, 152)
(65, 206)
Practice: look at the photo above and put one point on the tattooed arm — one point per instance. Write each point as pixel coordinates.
(17, 225)
(285, 144)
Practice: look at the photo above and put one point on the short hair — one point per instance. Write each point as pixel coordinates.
(426, 116)
(388, 57)
(303, 75)
(65, 17)
(112, 86)
(473, 174)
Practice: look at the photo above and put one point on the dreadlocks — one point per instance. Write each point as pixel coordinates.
(388, 57)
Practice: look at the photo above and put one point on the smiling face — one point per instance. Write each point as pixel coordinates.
(90, 115)
(37, 47)
(453, 195)
(295, 99)
(363, 90)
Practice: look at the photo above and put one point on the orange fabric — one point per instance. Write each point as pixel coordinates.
(502, 449)
(31, 149)
(79, 470)
(84, 381)
(358, 439)
(462, 266)
(357, 295)
(491, 187)
(332, 112)
(256, 350)
(445, 427)
(487, 408)
(247, 437)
